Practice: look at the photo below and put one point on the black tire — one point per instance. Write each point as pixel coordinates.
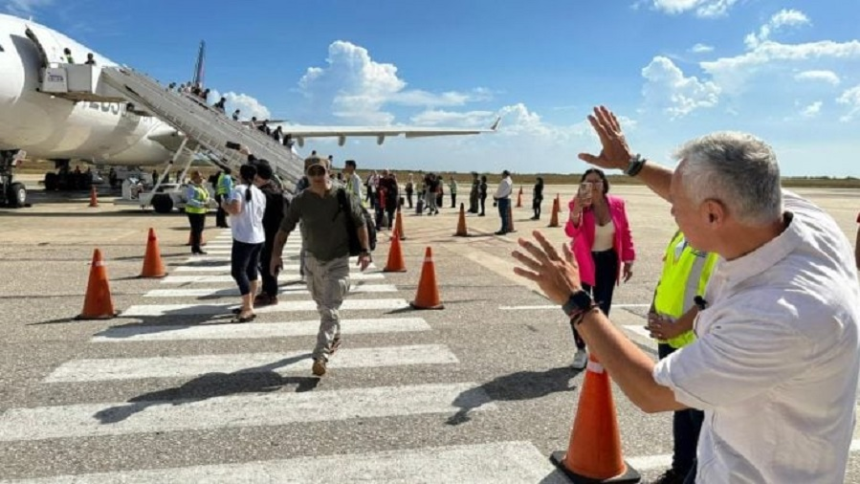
(17, 196)
(162, 203)
(52, 182)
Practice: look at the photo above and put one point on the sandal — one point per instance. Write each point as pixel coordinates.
(246, 319)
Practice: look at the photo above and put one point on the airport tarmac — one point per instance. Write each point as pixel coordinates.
(481, 391)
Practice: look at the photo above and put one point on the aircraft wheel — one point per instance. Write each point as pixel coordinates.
(162, 203)
(17, 195)
(52, 182)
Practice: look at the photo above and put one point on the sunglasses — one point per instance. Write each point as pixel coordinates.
(316, 171)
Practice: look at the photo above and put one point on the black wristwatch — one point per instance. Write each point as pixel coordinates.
(578, 302)
(635, 165)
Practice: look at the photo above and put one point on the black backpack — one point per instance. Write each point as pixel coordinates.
(352, 231)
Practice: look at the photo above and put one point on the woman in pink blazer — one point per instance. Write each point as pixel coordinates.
(602, 244)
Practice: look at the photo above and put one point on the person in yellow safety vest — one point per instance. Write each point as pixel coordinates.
(196, 206)
(223, 187)
(685, 276)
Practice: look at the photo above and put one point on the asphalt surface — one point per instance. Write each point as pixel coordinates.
(497, 382)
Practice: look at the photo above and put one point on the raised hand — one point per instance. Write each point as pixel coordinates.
(557, 276)
(614, 153)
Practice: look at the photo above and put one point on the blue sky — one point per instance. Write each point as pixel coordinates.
(787, 71)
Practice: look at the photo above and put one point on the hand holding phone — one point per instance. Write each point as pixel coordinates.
(585, 193)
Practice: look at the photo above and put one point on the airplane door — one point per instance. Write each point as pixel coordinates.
(43, 56)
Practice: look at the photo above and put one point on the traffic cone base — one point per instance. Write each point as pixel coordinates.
(98, 303)
(631, 475)
(427, 296)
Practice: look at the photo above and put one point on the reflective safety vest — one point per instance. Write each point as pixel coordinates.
(686, 272)
(197, 198)
(224, 185)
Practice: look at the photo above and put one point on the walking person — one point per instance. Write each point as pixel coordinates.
(196, 206)
(537, 198)
(353, 181)
(273, 215)
(329, 215)
(223, 187)
(452, 187)
(410, 188)
(474, 193)
(390, 194)
(483, 195)
(431, 186)
(246, 205)
(503, 201)
(602, 243)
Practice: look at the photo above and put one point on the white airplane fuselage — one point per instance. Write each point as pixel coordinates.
(50, 127)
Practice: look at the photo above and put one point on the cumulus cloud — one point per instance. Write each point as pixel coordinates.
(811, 111)
(701, 8)
(357, 88)
(674, 93)
(25, 7)
(701, 49)
(850, 98)
(781, 19)
(249, 106)
(829, 77)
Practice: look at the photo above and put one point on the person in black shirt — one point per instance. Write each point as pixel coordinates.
(276, 205)
(483, 193)
(537, 198)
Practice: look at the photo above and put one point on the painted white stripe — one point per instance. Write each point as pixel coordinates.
(226, 268)
(505, 462)
(284, 291)
(279, 408)
(650, 462)
(281, 363)
(553, 306)
(282, 306)
(122, 334)
(638, 330)
(357, 276)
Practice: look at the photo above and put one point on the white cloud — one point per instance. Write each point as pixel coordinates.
(701, 49)
(672, 92)
(249, 106)
(356, 88)
(25, 8)
(783, 18)
(701, 8)
(829, 77)
(851, 98)
(812, 110)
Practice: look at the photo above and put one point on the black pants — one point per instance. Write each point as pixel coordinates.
(453, 200)
(605, 276)
(409, 198)
(270, 282)
(390, 208)
(536, 207)
(244, 264)
(483, 202)
(686, 425)
(197, 222)
(220, 215)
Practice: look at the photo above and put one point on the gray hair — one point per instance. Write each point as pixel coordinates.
(738, 169)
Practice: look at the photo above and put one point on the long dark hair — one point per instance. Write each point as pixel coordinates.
(600, 174)
(247, 173)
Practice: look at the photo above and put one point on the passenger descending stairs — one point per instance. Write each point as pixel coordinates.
(209, 128)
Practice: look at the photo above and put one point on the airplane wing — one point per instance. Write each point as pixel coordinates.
(300, 133)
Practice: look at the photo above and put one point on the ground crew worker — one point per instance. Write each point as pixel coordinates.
(223, 187)
(197, 199)
(685, 275)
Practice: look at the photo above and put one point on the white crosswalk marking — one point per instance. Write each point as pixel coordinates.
(226, 268)
(502, 462)
(122, 334)
(285, 277)
(284, 291)
(121, 418)
(289, 362)
(282, 306)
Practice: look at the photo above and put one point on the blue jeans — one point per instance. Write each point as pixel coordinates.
(504, 204)
(686, 425)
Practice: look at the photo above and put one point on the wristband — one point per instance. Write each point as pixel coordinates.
(635, 165)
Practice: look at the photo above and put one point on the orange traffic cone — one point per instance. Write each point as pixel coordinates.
(98, 303)
(461, 224)
(594, 451)
(152, 264)
(427, 296)
(520, 198)
(398, 226)
(94, 199)
(553, 221)
(395, 255)
(510, 219)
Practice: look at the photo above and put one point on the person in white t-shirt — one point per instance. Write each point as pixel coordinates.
(246, 205)
(776, 360)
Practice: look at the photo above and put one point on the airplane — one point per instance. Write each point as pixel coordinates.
(53, 128)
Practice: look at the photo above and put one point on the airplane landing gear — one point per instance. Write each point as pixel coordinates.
(12, 193)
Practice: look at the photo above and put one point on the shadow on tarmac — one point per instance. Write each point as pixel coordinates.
(522, 385)
(250, 380)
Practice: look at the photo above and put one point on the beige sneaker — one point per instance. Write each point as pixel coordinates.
(580, 360)
(319, 367)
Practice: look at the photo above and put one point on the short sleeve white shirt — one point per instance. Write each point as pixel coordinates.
(247, 225)
(775, 364)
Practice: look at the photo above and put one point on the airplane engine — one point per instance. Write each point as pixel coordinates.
(380, 140)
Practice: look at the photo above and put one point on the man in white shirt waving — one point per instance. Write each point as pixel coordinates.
(775, 363)
(503, 201)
